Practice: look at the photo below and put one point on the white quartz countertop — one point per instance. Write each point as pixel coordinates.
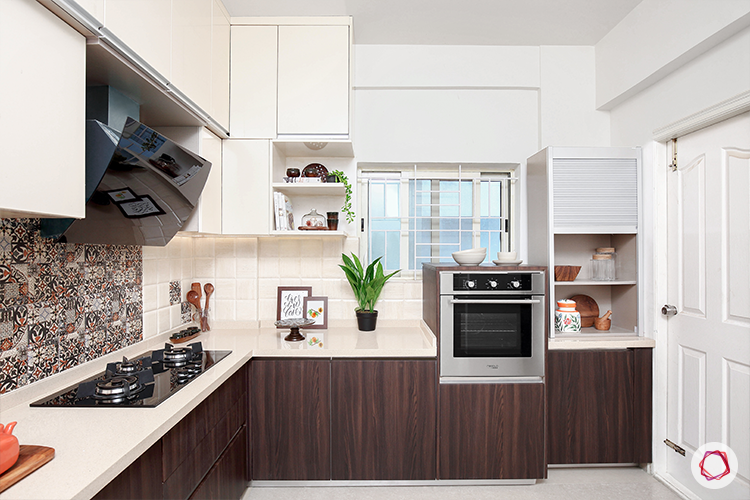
(93, 445)
(584, 341)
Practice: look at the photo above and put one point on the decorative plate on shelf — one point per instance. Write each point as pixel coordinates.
(315, 170)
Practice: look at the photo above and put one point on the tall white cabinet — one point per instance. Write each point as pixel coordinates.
(581, 199)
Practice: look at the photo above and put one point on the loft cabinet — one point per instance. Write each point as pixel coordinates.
(290, 80)
(253, 83)
(206, 217)
(599, 406)
(43, 170)
(584, 199)
(383, 419)
(313, 80)
(291, 419)
(246, 205)
(491, 431)
(203, 456)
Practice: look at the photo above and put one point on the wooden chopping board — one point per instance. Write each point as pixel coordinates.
(30, 458)
(588, 308)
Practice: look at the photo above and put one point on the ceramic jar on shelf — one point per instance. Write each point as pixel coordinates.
(567, 319)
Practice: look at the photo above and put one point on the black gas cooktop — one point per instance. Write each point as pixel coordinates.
(143, 382)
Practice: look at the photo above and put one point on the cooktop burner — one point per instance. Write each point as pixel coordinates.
(143, 382)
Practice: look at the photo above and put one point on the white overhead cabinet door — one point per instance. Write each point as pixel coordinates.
(313, 85)
(709, 285)
(252, 100)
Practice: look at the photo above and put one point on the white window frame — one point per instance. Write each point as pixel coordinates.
(477, 172)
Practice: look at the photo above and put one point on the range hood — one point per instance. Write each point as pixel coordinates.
(140, 188)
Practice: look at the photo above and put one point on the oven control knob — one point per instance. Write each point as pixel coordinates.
(492, 283)
(470, 284)
(514, 284)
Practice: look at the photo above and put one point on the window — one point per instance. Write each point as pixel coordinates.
(423, 213)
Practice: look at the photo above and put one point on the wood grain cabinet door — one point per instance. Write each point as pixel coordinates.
(290, 415)
(599, 406)
(492, 431)
(383, 419)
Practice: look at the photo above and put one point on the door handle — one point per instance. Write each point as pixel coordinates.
(669, 310)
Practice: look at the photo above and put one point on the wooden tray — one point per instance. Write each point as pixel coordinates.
(313, 228)
(588, 308)
(30, 458)
(183, 339)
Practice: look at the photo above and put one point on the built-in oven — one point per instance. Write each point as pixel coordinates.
(492, 325)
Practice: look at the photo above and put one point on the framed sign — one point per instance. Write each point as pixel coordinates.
(290, 301)
(141, 206)
(316, 308)
(124, 194)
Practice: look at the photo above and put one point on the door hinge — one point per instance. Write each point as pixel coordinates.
(673, 166)
(678, 449)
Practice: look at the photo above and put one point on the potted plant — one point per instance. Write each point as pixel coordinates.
(339, 176)
(366, 285)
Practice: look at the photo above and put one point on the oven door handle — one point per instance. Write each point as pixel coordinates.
(494, 301)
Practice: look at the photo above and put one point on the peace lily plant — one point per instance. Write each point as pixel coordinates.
(366, 285)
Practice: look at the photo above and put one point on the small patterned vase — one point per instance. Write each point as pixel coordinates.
(567, 319)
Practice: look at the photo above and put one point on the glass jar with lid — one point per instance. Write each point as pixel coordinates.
(603, 264)
(314, 220)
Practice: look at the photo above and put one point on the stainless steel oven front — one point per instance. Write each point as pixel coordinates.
(492, 325)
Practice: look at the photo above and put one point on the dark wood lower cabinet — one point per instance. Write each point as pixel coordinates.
(599, 406)
(142, 479)
(207, 447)
(227, 477)
(383, 419)
(291, 419)
(491, 431)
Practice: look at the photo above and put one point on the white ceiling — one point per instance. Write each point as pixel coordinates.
(458, 22)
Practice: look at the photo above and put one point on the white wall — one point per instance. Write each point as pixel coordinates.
(474, 104)
(656, 38)
(712, 77)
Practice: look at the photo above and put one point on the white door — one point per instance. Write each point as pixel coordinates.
(709, 284)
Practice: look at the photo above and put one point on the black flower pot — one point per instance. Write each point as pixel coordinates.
(366, 321)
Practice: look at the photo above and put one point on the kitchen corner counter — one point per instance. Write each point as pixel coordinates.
(583, 342)
(93, 445)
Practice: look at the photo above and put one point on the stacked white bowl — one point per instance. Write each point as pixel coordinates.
(506, 256)
(472, 257)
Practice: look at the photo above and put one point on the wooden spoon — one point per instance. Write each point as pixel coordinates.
(209, 289)
(194, 298)
(196, 287)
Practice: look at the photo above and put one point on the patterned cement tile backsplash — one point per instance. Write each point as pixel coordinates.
(63, 304)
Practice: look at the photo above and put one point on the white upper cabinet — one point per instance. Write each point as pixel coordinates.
(145, 26)
(191, 50)
(253, 85)
(246, 187)
(206, 218)
(220, 40)
(42, 113)
(290, 80)
(313, 80)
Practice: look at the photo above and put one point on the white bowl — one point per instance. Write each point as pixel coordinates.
(472, 251)
(506, 256)
(470, 257)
